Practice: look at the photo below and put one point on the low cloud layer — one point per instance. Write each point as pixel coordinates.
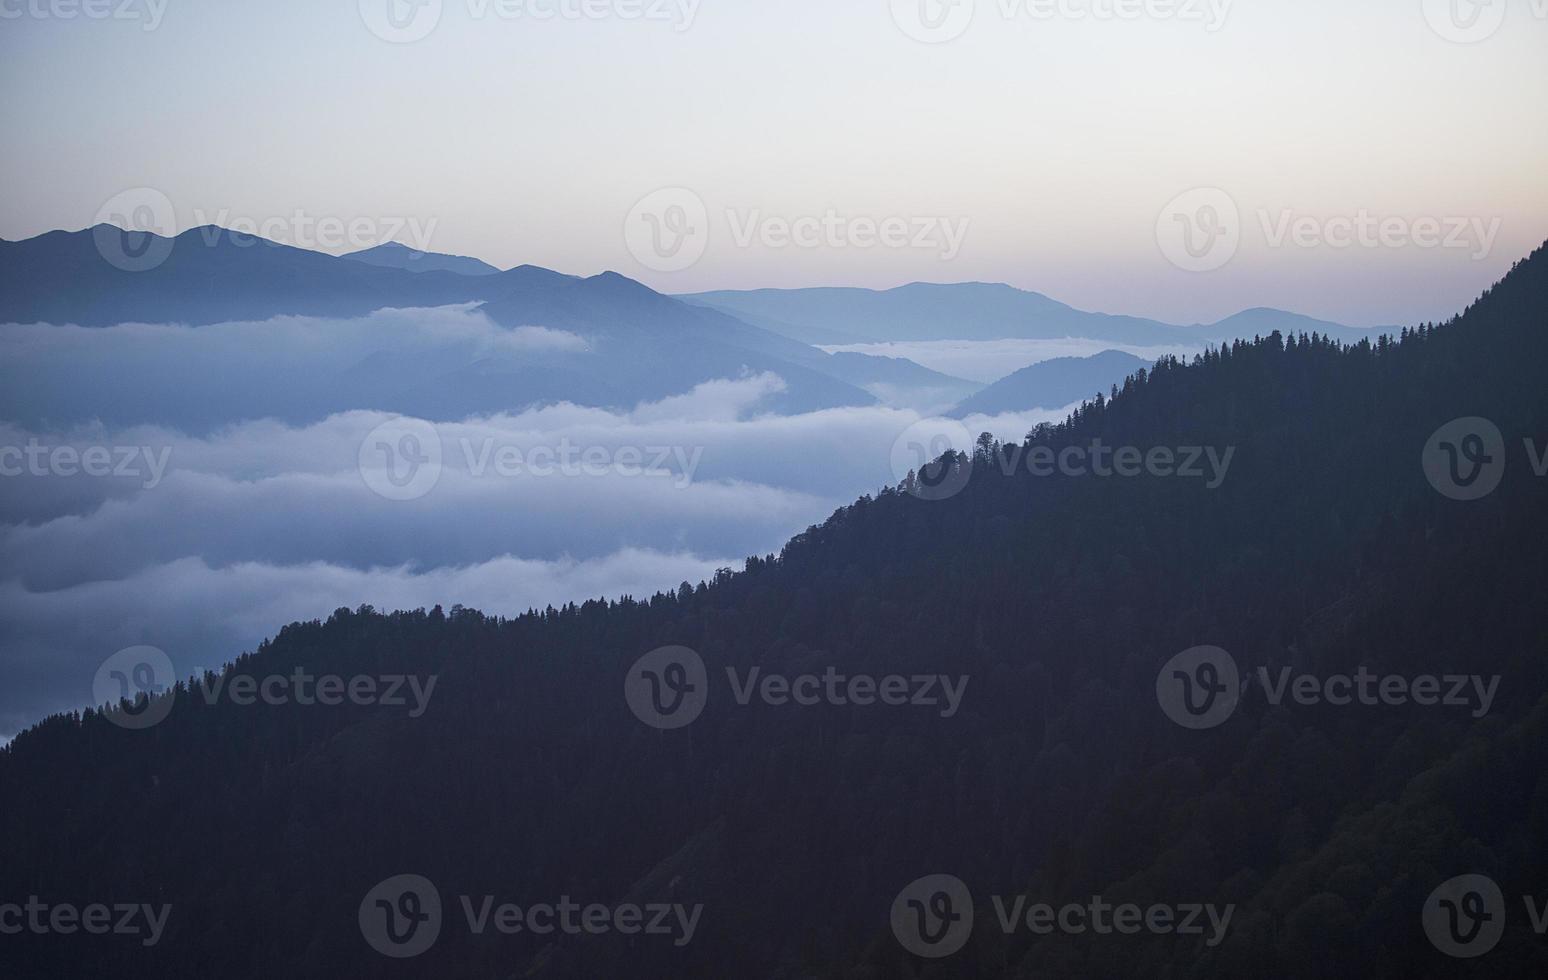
(204, 544)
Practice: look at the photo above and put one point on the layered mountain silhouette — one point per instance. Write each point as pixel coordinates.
(1054, 383)
(835, 316)
(639, 345)
(394, 255)
(1324, 551)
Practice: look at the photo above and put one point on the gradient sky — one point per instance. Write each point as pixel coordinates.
(1061, 140)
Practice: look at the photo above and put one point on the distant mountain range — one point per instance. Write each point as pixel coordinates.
(395, 256)
(1052, 384)
(980, 311)
(640, 345)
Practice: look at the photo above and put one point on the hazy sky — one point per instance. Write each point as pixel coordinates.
(1053, 135)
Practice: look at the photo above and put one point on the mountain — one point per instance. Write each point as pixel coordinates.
(836, 316)
(1262, 321)
(899, 382)
(639, 345)
(1052, 384)
(393, 255)
(1060, 601)
(204, 275)
(931, 311)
